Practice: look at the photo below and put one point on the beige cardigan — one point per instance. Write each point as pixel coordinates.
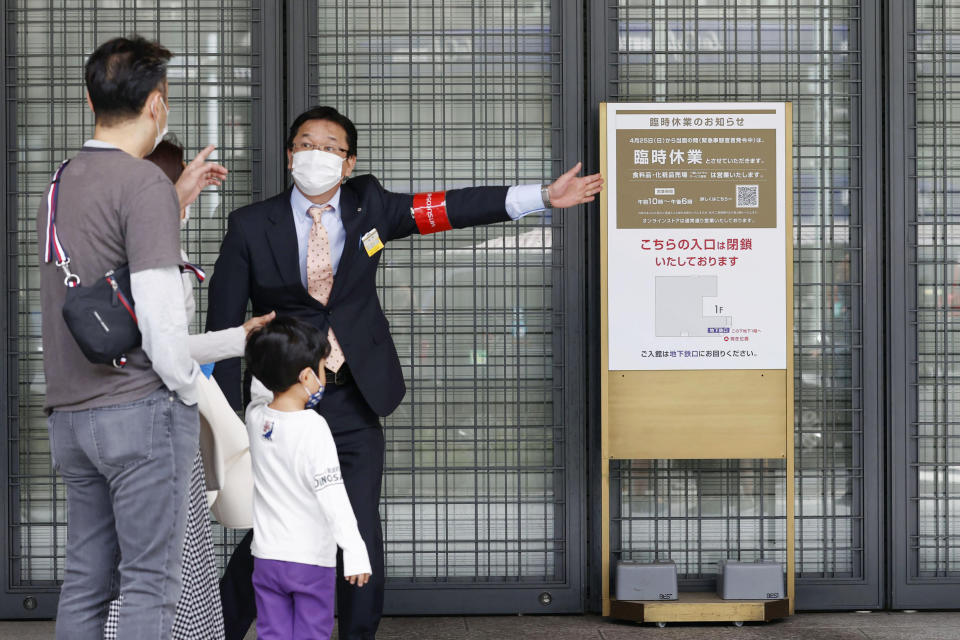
(224, 446)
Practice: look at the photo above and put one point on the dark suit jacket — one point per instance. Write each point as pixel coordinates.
(259, 262)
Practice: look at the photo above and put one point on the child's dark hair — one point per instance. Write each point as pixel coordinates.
(279, 351)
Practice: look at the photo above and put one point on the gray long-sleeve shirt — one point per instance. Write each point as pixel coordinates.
(158, 295)
(153, 292)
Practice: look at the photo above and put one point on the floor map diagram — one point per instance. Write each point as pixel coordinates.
(679, 307)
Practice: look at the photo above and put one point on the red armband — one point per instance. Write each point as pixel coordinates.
(430, 212)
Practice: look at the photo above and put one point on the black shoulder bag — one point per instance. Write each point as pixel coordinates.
(100, 316)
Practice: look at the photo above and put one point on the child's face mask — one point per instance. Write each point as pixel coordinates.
(313, 399)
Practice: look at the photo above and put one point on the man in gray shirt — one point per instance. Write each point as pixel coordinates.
(123, 439)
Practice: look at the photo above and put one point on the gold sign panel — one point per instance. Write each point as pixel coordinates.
(722, 414)
(696, 179)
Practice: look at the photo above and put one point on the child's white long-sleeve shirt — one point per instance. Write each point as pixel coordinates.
(301, 512)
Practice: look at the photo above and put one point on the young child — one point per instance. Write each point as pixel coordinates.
(301, 512)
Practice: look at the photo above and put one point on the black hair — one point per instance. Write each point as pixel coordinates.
(279, 351)
(121, 74)
(168, 156)
(330, 115)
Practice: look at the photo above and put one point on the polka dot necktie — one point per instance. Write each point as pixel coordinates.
(320, 276)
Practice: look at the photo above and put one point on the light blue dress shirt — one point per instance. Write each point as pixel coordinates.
(521, 200)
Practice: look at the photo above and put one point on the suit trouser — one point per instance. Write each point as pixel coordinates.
(361, 453)
(126, 469)
(361, 463)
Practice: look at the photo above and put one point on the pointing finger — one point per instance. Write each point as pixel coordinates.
(204, 154)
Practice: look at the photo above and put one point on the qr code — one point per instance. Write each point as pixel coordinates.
(748, 195)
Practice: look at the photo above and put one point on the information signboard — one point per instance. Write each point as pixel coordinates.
(695, 236)
(696, 281)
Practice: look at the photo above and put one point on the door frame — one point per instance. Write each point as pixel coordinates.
(408, 597)
(39, 601)
(907, 590)
(820, 593)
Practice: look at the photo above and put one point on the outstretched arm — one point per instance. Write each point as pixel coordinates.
(213, 346)
(569, 190)
(426, 213)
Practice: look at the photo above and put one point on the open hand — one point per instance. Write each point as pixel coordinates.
(255, 323)
(568, 190)
(198, 175)
(360, 579)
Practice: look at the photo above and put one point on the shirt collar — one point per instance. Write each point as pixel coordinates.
(99, 144)
(300, 203)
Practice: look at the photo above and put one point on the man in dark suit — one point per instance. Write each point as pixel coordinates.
(312, 252)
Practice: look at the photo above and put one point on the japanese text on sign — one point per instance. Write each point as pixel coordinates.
(718, 178)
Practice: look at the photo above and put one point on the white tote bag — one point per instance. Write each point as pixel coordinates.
(225, 451)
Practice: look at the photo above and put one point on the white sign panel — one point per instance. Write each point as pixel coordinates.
(696, 250)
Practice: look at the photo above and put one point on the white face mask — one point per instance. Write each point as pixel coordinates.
(156, 122)
(185, 218)
(316, 172)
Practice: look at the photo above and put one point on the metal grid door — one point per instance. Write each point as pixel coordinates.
(480, 503)
(215, 97)
(925, 304)
(818, 54)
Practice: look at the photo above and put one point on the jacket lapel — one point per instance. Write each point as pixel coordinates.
(282, 237)
(352, 225)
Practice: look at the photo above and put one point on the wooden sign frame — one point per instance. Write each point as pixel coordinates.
(702, 414)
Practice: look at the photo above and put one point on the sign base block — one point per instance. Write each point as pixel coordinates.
(696, 606)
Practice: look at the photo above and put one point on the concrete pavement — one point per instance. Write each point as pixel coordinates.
(803, 626)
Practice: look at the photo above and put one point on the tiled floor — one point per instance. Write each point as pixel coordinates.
(804, 626)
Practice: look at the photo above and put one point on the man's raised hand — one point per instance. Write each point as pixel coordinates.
(569, 190)
(198, 175)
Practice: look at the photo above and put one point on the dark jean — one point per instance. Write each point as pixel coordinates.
(126, 469)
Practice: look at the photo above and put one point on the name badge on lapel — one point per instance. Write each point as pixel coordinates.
(372, 242)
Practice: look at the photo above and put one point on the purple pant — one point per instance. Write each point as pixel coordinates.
(294, 600)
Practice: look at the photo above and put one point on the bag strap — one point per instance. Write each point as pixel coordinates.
(195, 270)
(54, 249)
